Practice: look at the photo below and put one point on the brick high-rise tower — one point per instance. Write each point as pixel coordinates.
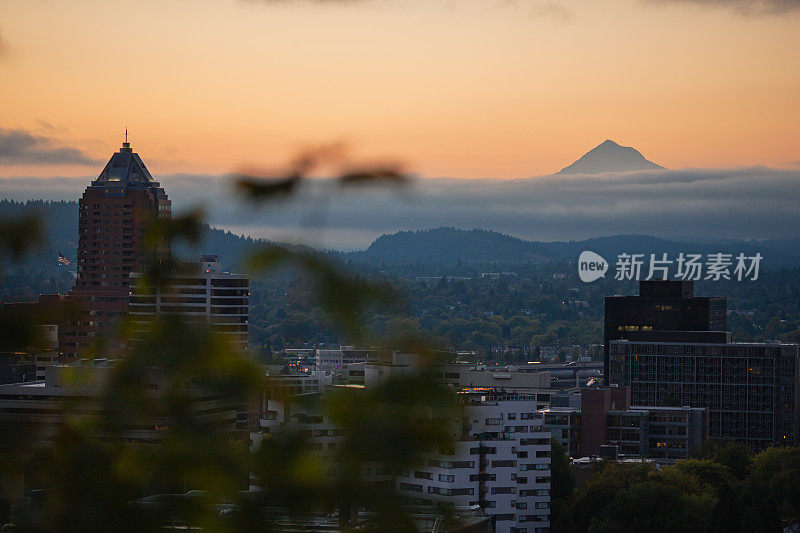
(112, 216)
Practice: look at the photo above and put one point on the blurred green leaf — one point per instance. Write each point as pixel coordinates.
(161, 233)
(20, 234)
(395, 422)
(260, 189)
(344, 298)
(376, 176)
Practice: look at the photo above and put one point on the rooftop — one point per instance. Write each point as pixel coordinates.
(125, 168)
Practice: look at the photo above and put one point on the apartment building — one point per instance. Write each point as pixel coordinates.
(500, 459)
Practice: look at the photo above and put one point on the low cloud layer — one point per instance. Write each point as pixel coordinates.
(748, 7)
(21, 147)
(552, 9)
(748, 203)
(560, 9)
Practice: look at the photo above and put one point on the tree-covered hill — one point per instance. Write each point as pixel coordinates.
(439, 245)
(442, 244)
(474, 290)
(449, 245)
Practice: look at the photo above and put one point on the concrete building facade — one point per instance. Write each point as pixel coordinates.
(749, 389)
(76, 391)
(208, 294)
(605, 423)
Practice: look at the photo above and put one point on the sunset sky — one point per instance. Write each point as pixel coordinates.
(454, 88)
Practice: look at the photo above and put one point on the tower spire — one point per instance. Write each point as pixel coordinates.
(126, 146)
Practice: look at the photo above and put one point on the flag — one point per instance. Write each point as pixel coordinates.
(62, 260)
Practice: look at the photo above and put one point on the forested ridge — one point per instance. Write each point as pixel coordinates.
(506, 308)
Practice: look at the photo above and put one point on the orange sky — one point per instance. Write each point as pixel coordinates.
(470, 88)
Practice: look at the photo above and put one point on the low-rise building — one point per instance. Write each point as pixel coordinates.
(76, 390)
(30, 363)
(605, 423)
(665, 434)
(337, 361)
(469, 376)
(282, 381)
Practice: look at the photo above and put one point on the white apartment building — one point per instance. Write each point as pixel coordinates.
(220, 298)
(323, 436)
(500, 461)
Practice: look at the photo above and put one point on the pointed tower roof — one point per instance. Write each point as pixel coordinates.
(125, 168)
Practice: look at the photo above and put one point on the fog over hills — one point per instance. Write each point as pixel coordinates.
(610, 157)
(438, 245)
(449, 245)
(683, 205)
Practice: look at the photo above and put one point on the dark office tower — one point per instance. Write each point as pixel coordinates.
(112, 215)
(670, 349)
(662, 309)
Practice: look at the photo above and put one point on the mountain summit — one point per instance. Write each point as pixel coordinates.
(609, 157)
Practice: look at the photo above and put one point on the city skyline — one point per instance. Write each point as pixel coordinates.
(339, 265)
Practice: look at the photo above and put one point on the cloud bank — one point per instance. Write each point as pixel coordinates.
(751, 203)
(19, 146)
(747, 7)
(558, 9)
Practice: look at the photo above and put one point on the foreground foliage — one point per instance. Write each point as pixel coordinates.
(89, 472)
(727, 489)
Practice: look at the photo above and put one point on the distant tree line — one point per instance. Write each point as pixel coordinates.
(503, 310)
